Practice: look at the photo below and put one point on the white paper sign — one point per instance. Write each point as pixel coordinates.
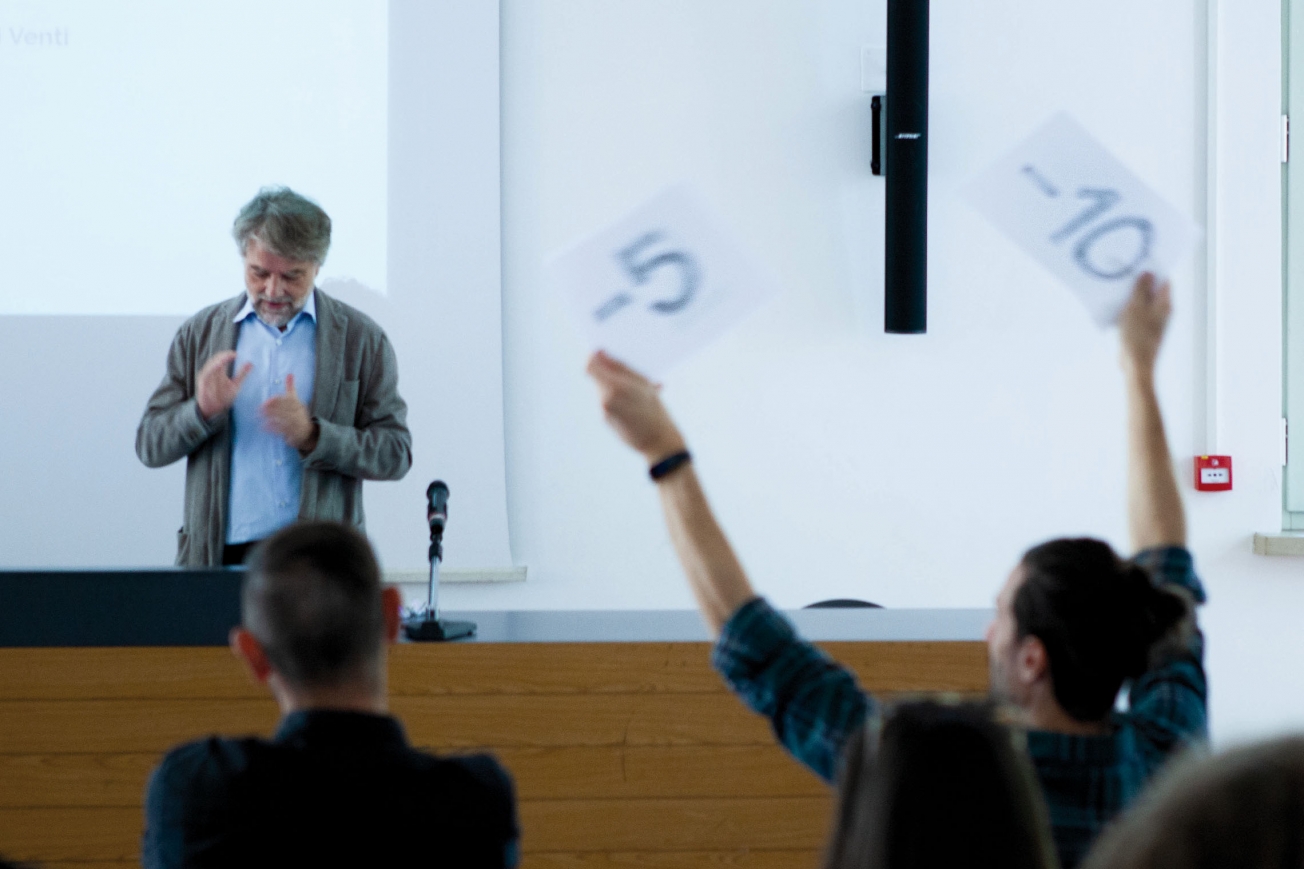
(1079, 212)
(661, 283)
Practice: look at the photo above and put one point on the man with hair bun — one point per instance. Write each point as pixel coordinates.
(1074, 622)
(282, 400)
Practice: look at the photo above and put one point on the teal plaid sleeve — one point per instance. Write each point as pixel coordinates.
(813, 703)
(1168, 703)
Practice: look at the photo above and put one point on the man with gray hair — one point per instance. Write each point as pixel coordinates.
(282, 399)
(339, 784)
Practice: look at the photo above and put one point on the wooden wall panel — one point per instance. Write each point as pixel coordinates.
(631, 772)
(674, 825)
(581, 772)
(107, 674)
(109, 834)
(65, 780)
(584, 719)
(111, 726)
(736, 859)
(625, 754)
(491, 668)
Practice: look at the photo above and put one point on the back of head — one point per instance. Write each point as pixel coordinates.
(941, 786)
(1098, 617)
(290, 225)
(312, 598)
(1241, 810)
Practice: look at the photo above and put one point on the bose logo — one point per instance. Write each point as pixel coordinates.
(908, 135)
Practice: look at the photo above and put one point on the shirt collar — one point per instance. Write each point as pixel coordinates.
(340, 726)
(309, 308)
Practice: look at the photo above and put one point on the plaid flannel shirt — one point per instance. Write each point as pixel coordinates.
(814, 705)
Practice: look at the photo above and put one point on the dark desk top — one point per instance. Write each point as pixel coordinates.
(198, 607)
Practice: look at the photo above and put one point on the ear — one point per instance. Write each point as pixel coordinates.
(391, 603)
(1031, 663)
(246, 647)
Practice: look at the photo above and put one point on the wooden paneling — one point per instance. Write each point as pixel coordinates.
(467, 721)
(109, 834)
(111, 726)
(744, 859)
(671, 771)
(584, 719)
(576, 772)
(491, 668)
(674, 825)
(93, 674)
(65, 780)
(629, 755)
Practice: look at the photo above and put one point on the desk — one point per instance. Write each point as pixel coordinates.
(626, 748)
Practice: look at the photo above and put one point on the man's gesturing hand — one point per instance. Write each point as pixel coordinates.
(215, 390)
(634, 409)
(1142, 323)
(287, 416)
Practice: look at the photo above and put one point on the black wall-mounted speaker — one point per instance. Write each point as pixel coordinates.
(906, 175)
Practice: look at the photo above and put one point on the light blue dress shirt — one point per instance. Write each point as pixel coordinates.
(266, 472)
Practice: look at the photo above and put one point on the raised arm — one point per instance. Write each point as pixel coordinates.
(1155, 513)
(634, 410)
(813, 703)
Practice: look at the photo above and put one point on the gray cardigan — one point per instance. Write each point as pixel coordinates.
(364, 434)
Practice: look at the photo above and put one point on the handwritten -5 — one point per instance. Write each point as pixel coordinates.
(640, 267)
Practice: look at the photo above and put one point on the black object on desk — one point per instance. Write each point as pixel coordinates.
(427, 626)
(167, 607)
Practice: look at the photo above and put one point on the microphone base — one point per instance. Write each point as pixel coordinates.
(421, 629)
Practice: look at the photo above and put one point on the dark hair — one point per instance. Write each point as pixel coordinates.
(291, 225)
(312, 598)
(1240, 810)
(1098, 616)
(942, 786)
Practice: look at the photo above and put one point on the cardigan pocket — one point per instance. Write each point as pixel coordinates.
(346, 403)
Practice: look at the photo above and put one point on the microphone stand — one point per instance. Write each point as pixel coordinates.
(427, 626)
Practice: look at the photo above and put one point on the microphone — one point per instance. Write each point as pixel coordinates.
(428, 625)
(437, 516)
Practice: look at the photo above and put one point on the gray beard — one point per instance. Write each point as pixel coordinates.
(280, 322)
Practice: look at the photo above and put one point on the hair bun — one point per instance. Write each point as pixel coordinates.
(1150, 613)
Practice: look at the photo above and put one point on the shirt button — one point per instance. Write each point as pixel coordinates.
(279, 462)
(280, 504)
(278, 342)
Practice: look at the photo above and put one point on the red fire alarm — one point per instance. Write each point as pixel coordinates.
(1213, 473)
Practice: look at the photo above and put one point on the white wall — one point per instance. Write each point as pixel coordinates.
(909, 470)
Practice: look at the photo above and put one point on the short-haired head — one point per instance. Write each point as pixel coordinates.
(312, 598)
(941, 785)
(1240, 810)
(1098, 617)
(288, 224)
